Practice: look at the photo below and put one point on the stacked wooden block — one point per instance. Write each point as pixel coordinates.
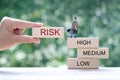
(88, 53)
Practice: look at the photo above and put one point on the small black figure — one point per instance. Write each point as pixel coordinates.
(74, 28)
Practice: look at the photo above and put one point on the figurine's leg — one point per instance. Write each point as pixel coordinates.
(70, 34)
(75, 35)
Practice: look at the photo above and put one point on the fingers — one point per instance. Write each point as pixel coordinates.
(26, 24)
(26, 39)
(22, 24)
(18, 31)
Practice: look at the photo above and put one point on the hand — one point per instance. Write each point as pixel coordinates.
(11, 32)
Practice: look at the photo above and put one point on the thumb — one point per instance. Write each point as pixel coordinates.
(26, 39)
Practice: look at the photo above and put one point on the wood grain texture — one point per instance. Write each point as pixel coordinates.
(75, 63)
(93, 53)
(83, 42)
(48, 32)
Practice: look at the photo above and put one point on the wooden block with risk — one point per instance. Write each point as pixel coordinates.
(48, 32)
(82, 42)
(75, 63)
(93, 53)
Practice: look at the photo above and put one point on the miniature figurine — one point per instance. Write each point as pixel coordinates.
(74, 28)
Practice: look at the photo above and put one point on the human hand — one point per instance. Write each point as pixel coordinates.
(11, 32)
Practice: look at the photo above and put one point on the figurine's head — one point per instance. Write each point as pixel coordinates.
(75, 18)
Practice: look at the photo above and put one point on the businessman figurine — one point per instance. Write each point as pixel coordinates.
(74, 28)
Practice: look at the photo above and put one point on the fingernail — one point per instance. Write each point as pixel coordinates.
(40, 24)
(37, 41)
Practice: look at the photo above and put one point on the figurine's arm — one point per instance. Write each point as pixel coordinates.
(76, 26)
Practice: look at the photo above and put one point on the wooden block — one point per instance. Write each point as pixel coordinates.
(83, 42)
(48, 32)
(93, 53)
(75, 63)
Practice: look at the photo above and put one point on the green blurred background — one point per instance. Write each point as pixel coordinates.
(96, 18)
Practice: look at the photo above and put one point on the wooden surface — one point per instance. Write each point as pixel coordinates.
(102, 52)
(103, 73)
(48, 32)
(77, 63)
(83, 42)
